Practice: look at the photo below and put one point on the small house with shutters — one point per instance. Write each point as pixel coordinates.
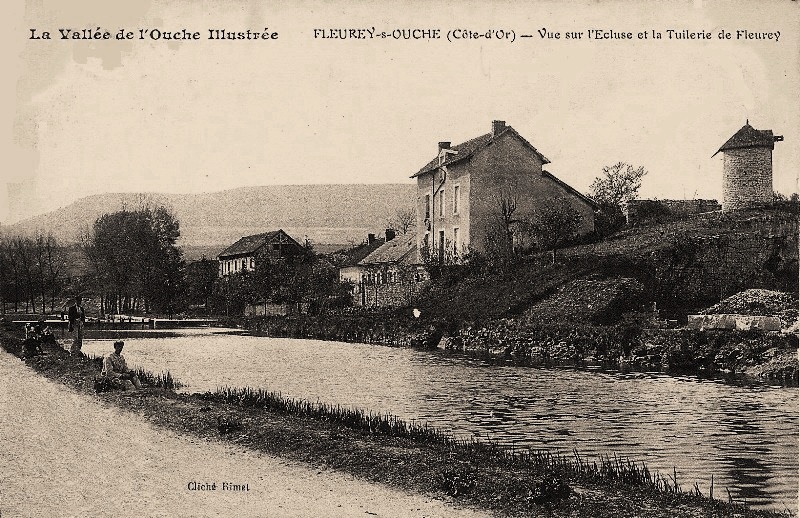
(390, 276)
(243, 254)
(459, 190)
(349, 268)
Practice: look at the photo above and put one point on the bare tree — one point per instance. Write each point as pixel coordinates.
(40, 265)
(23, 258)
(403, 220)
(55, 258)
(8, 274)
(505, 221)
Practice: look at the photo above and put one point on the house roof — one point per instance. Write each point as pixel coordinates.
(400, 249)
(250, 244)
(354, 255)
(571, 190)
(748, 137)
(469, 148)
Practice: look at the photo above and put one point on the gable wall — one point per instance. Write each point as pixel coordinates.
(509, 167)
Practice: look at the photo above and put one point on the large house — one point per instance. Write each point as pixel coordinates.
(462, 191)
(242, 255)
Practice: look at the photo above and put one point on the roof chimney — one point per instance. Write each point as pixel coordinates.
(444, 145)
(390, 234)
(497, 127)
(370, 238)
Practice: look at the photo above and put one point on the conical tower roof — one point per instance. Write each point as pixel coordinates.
(748, 137)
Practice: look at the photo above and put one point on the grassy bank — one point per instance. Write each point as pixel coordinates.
(386, 450)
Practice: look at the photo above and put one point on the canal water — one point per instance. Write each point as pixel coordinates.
(745, 435)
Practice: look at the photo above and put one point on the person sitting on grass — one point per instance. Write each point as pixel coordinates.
(116, 370)
(31, 346)
(43, 332)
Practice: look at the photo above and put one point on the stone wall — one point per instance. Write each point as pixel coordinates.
(746, 178)
(656, 211)
(760, 252)
(728, 321)
(389, 294)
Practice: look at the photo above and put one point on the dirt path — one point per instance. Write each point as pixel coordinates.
(67, 454)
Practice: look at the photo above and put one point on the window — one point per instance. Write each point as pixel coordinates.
(427, 206)
(456, 198)
(441, 204)
(441, 245)
(456, 242)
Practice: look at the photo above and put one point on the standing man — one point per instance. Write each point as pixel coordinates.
(76, 319)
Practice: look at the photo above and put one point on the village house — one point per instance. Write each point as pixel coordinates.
(462, 190)
(349, 268)
(392, 275)
(242, 255)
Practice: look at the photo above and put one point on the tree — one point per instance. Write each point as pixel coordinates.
(135, 257)
(620, 183)
(556, 224)
(55, 261)
(780, 197)
(403, 220)
(23, 258)
(199, 280)
(505, 221)
(9, 276)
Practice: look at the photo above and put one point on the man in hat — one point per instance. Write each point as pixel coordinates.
(77, 317)
(116, 370)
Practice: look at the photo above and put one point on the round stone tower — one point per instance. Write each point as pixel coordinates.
(747, 168)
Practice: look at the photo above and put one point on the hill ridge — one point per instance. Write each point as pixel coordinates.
(325, 213)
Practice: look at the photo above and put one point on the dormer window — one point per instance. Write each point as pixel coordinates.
(444, 152)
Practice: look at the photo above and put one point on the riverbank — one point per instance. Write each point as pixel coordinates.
(472, 474)
(624, 346)
(90, 458)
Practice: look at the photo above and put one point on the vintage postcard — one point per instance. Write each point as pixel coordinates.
(440, 258)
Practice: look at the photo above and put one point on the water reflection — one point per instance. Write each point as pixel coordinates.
(746, 436)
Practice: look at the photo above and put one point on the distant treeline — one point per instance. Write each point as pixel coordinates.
(127, 262)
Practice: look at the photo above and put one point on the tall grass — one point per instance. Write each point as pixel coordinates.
(162, 380)
(357, 419)
(607, 470)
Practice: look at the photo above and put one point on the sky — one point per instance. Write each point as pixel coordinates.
(86, 117)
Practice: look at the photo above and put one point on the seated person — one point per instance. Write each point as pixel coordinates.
(117, 371)
(47, 336)
(43, 333)
(31, 347)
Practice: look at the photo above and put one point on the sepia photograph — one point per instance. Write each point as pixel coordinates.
(447, 258)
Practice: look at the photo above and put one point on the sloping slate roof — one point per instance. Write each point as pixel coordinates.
(571, 190)
(748, 136)
(472, 146)
(249, 244)
(400, 249)
(357, 254)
